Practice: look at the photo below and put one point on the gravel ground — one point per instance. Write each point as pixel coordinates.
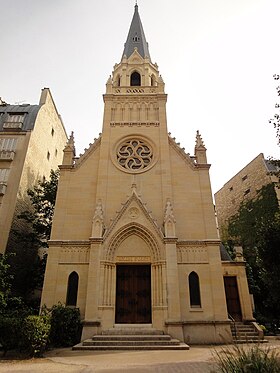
(199, 359)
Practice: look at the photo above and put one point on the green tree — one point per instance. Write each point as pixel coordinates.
(276, 118)
(5, 281)
(42, 198)
(256, 227)
(27, 268)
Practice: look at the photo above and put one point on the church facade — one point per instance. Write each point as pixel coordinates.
(134, 238)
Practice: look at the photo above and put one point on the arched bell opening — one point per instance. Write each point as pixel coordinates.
(135, 79)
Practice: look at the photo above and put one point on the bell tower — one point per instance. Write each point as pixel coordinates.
(134, 133)
(135, 91)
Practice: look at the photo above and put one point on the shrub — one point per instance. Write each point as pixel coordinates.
(65, 326)
(253, 359)
(36, 331)
(10, 333)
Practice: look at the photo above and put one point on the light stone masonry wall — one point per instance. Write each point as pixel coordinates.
(243, 186)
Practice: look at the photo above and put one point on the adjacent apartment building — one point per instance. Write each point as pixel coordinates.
(244, 185)
(32, 139)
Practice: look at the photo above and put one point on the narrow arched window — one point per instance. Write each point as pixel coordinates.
(194, 290)
(72, 289)
(135, 79)
(153, 82)
(118, 80)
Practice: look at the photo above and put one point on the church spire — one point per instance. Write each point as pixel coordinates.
(136, 37)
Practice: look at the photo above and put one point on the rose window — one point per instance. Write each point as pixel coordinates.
(134, 155)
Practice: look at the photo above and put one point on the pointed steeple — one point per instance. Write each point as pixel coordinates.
(136, 38)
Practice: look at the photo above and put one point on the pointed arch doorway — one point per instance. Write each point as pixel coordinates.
(133, 294)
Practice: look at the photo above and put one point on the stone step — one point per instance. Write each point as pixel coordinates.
(134, 331)
(123, 337)
(171, 342)
(245, 333)
(239, 341)
(131, 337)
(245, 329)
(181, 346)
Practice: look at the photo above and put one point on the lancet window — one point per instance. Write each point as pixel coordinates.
(72, 289)
(194, 289)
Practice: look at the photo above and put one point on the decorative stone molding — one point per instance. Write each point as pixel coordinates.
(134, 154)
(185, 156)
(169, 220)
(133, 259)
(142, 209)
(214, 242)
(133, 213)
(90, 150)
(135, 90)
(192, 254)
(128, 230)
(74, 254)
(135, 124)
(98, 221)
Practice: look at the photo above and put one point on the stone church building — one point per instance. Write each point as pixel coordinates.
(134, 239)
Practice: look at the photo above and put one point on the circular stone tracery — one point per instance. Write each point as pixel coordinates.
(134, 154)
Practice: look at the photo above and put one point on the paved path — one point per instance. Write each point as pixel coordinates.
(199, 359)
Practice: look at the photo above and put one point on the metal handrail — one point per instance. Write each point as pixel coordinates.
(234, 324)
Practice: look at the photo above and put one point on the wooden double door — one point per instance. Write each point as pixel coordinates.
(232, 297)
(133, 294)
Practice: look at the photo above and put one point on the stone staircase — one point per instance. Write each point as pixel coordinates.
(245, 333)
(131, 338)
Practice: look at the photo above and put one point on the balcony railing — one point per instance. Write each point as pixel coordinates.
(6, 155)
(3, 187)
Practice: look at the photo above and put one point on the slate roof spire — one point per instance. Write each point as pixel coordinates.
(136, 37)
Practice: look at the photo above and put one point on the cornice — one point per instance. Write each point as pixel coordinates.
(209, 242)
(68, 242)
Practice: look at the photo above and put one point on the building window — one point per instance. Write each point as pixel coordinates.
(48, 155)
(136, 38)
(14, 121)
(247, 191)
(72, 289)
(244, 178)
(8, 144)
(135, 79)
(4, 174)
(195, 301)
(231, 189)
(52, 131)
(55, 152)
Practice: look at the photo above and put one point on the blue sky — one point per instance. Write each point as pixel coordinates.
(217, 59)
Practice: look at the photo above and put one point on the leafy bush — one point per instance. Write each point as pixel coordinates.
(10, 333)
(253, 359)
(36, 331)
(65, 326)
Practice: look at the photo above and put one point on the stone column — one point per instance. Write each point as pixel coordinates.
(92, 320)
(174, 325)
